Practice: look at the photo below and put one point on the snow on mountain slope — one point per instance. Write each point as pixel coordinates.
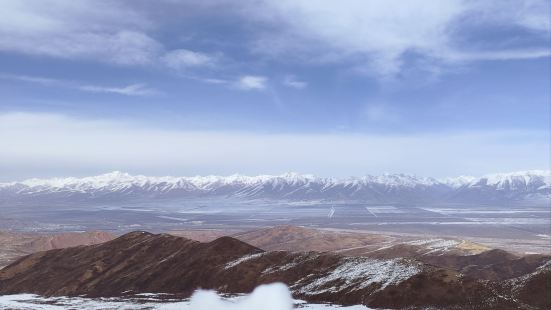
(535, 179)
(534, 184)
(459, 181)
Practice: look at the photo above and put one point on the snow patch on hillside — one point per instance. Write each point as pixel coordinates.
(359, 273)
(243, 259)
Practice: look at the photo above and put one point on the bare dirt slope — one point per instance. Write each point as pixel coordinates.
(14, 245)
(469, 258)
(141, 262)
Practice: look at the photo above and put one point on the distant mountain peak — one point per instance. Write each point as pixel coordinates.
(532, 184)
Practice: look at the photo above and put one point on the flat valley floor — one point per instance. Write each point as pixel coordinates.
(520, 228)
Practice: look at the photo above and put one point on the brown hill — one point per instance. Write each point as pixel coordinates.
(528, 286)
(138, 261)
(480, 263)
(293, 238)
(141, 262)
(14, 245)
(490, 265)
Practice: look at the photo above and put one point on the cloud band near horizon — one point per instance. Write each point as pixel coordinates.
(46, 145)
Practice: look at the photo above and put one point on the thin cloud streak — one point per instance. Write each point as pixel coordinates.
(293, 82)
(499, 55)
(129, 90)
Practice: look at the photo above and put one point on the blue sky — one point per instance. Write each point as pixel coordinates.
(437, 88)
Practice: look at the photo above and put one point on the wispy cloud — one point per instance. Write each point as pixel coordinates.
(251, 82)
(32, 79)
(183, 58)
(106, 32)
(532, 15)
(376, 32)
(212, 80)
(499, 55)
(293, 82)
(110, 32)
(243, 82)
(129, 90)
(378, 36)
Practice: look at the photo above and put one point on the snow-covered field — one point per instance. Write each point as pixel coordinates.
(265, 297)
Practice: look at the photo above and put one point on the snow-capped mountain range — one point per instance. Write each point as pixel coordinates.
(522, 185)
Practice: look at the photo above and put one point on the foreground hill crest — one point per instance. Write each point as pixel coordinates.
(141, 262)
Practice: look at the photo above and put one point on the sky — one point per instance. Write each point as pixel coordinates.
(331, 88)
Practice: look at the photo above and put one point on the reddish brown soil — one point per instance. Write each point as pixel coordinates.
(142, 262)
(15, 245)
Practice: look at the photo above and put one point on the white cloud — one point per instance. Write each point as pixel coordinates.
(111, 32)
(274, 296)
(244, 82)
(377, 35)
(373, 35)
(212, 80)
(293, 82)
(183, 58)
(530, 14)
(380, 31)
(93, 30)
(251, 82)
(33, 79)
(42, 145)
(499, 55)
(130, 90)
